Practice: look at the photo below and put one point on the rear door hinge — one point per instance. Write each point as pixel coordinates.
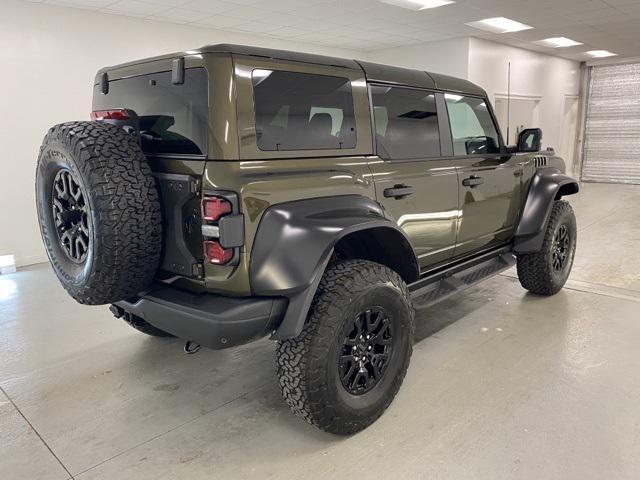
(197, 270)
(194, 186)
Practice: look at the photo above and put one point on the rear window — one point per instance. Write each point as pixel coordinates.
(172, 118)
(301, 111)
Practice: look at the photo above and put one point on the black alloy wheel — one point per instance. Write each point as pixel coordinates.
(560, 248)
(70, 213)
(366, 351)
(99, 211)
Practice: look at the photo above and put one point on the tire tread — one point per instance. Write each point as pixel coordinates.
(534, 269)
(127, 215)
(299, 360)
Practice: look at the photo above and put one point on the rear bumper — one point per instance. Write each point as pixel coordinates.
(210, 320)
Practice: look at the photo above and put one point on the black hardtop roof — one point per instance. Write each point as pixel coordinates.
(374, 72)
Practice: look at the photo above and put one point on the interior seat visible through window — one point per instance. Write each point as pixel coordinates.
(320, 125)
(301, 111)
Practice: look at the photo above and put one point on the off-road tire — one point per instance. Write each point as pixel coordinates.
(307, 364)
(139, 324)
(122, 205)
(535, 270)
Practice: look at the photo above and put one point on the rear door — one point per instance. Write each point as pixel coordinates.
(414, 183)
(172, 120)
(489, 178)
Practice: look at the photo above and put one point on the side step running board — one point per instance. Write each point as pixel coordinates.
(440, 285)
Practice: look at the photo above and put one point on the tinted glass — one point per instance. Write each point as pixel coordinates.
(472, 127)
(300, 111)
(172, 118)
(406, 123)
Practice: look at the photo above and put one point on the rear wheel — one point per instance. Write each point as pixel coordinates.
(545, 272)
(345, 368)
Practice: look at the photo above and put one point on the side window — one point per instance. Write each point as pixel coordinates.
(406, 122)
(301, 111)
(472, 127)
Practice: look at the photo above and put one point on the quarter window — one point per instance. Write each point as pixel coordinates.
(472, 128)
(301, 111)
(406, 123)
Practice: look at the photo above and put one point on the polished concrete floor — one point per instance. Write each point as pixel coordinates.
(502, 384)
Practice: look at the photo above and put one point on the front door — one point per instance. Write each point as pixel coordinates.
(490, 192)
(415, 185)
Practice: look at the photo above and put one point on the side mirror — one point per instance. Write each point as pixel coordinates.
(530, 140)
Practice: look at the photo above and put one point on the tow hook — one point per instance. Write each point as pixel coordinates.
(190, 348)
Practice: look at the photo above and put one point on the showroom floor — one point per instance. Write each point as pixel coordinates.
(502, 384)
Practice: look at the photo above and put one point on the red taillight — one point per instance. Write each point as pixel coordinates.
(215, 207)
(214, 253)
(116, 114)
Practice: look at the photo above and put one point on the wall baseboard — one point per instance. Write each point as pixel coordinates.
(31, 260)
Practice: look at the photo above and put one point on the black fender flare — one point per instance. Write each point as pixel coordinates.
(547, 185)
(295, 241)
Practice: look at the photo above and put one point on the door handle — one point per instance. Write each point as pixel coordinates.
(398, 191)
(472, 181)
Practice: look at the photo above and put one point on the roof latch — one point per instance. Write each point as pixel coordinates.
(177, 71)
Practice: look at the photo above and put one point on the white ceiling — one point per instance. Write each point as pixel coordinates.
(370, 25)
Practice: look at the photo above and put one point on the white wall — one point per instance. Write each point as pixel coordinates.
(48, 58)
(449, 57)
(532, 74)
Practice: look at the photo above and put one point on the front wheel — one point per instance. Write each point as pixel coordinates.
(345, 368)
(545, 272)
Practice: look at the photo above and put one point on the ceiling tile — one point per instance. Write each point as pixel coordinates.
(221, 21)
(370, 24)
(90, 4)
(133, 7)
(256, 27)
(209, 6)
(166, 3)
(290, 32)
(181, 15)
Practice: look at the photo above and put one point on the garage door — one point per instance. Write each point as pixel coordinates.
(612, 136)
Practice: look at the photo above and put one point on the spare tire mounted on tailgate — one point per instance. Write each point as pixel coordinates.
(99, 211)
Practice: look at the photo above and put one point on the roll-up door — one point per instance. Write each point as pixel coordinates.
(612, 131)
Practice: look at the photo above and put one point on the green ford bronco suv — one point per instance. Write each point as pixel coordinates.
(224, 194)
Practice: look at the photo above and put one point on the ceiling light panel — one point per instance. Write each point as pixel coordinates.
(558, 42)
(499, 25)
(418, 4)
(601, 53)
